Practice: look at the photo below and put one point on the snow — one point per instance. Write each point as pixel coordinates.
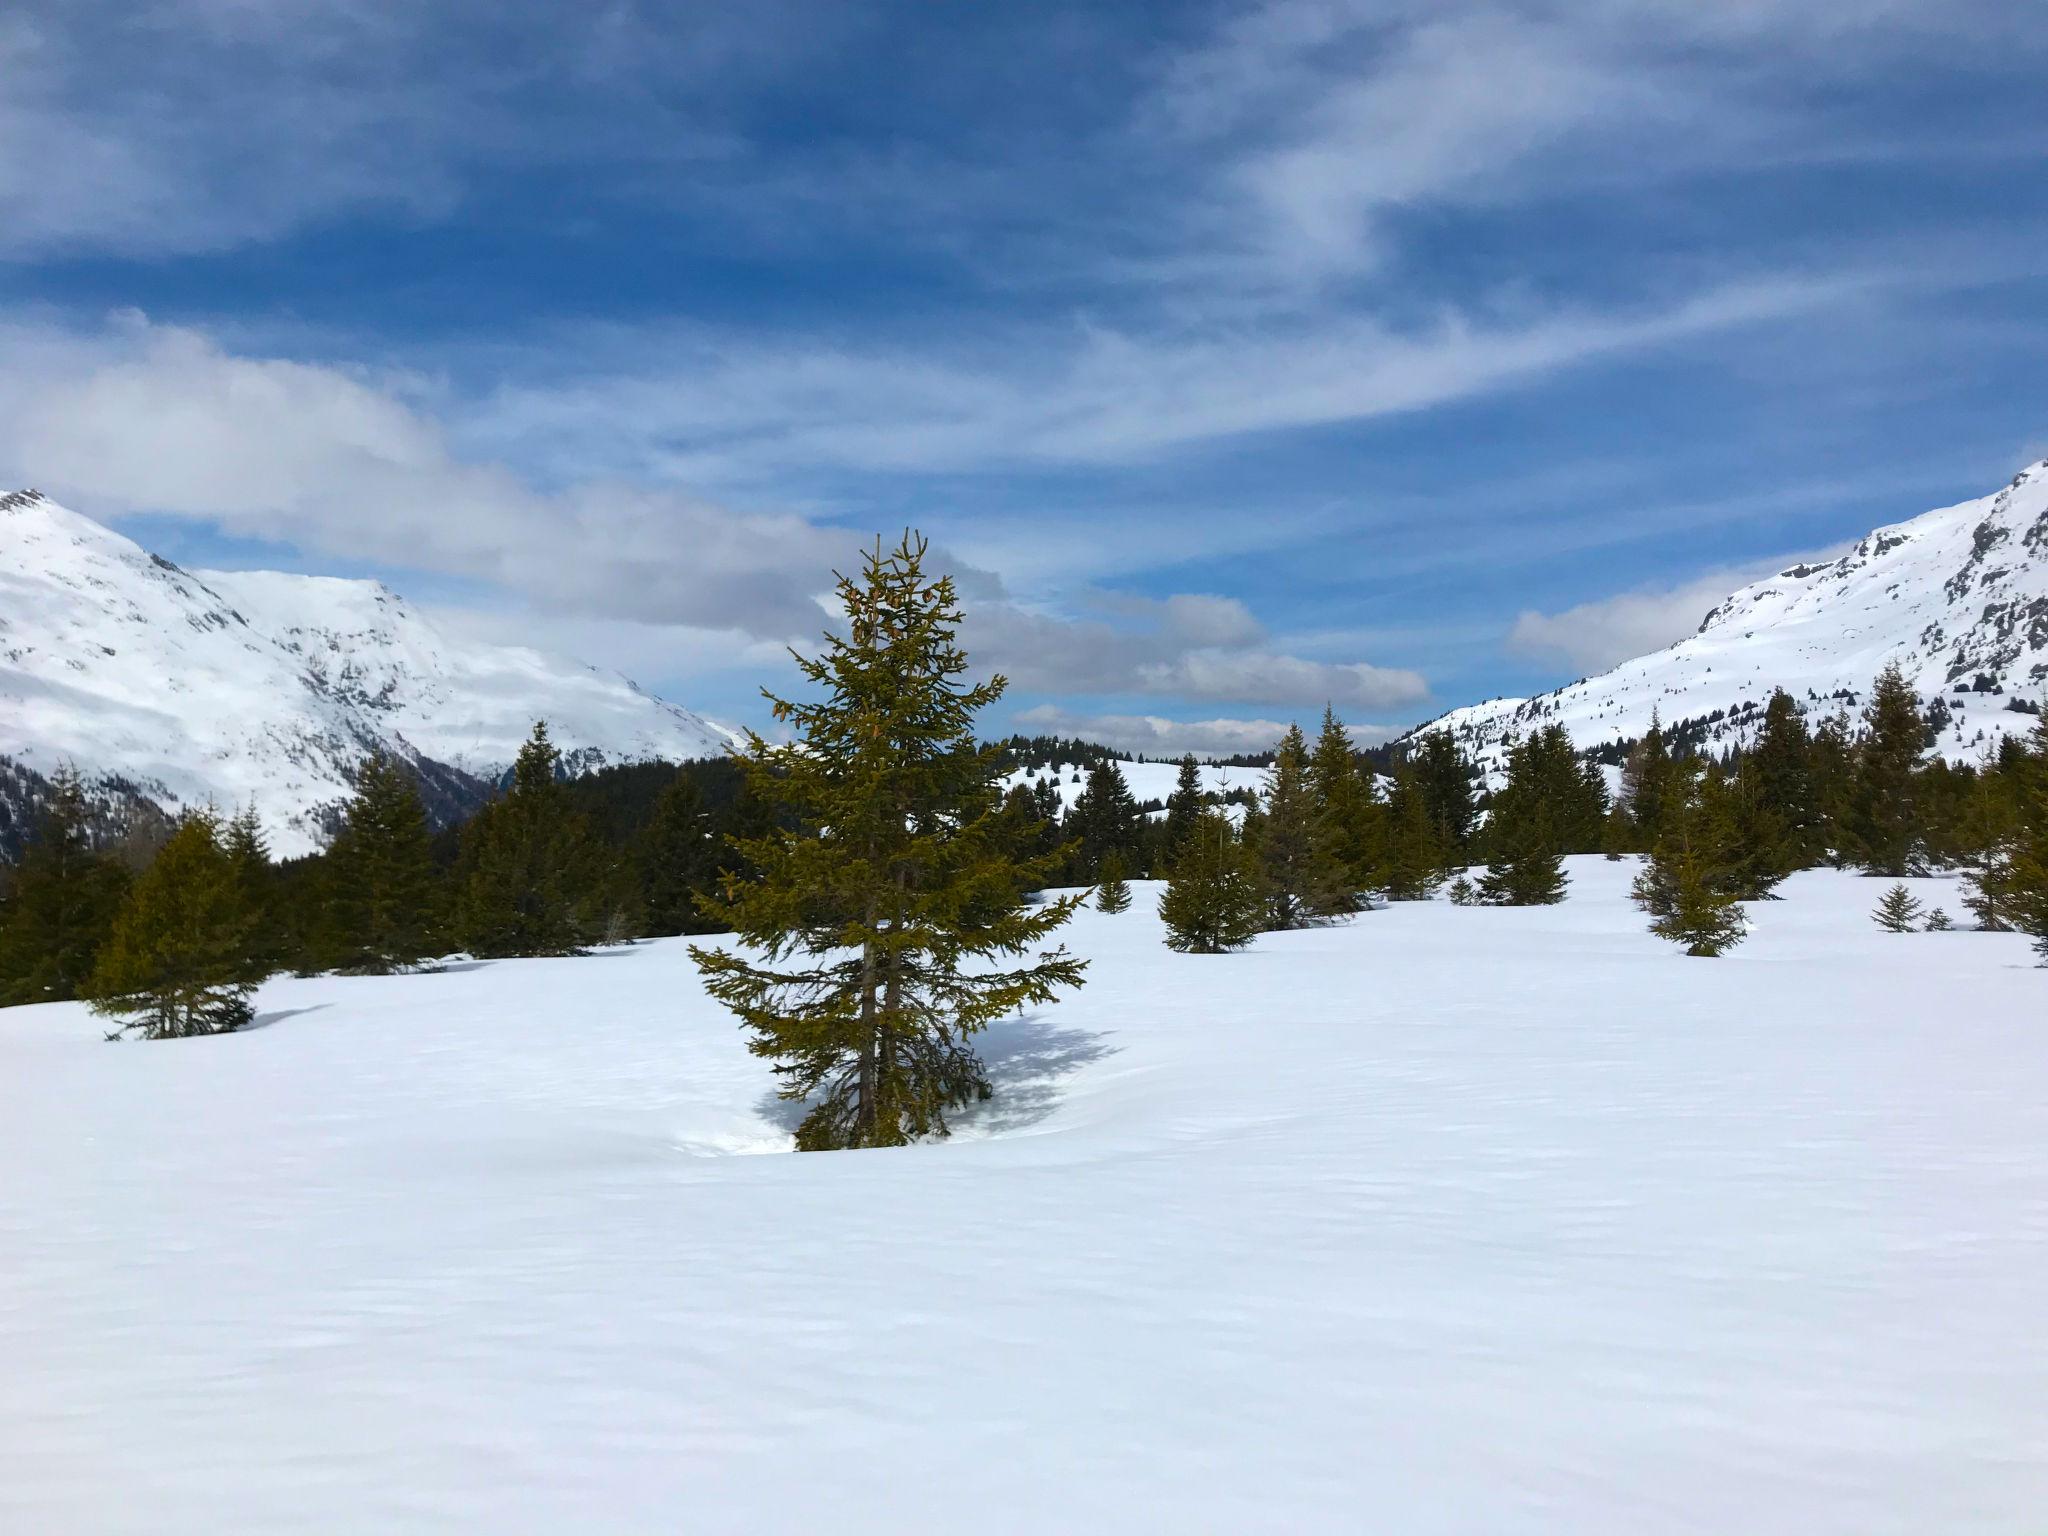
(1958, 597)
(1448, 1220)
(1146, 781)
(255, 687)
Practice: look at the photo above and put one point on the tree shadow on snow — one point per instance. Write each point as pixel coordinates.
(1026, 1059)
(278, 1016)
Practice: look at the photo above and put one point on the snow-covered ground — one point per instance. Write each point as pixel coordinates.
(1146, 781)
(1446, 1221)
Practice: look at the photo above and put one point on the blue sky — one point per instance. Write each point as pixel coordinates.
(1238, 357)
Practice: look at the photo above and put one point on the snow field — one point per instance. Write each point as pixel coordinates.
(1447, 1220)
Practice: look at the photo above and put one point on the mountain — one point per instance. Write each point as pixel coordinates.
(256, 687)
(1958, 597)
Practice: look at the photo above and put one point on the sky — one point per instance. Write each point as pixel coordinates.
(1237, 359)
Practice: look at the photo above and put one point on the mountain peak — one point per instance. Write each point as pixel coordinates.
(1957, 597)
(266, 688)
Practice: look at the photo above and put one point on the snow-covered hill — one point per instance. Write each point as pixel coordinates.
(1450, 1219)
(1958, 597)
(261, 688)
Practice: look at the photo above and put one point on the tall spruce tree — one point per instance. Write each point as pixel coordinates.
(677, 860)
(1646, 775)
(2009, 888)
(1833, 766)
(1444, 775)
(1780, 769)
(248, 849)
(1212, 903)
(59, 904)
(1524, 844)
(1884, 816)
(1183, 809)
(1105, 819)
(1413, 860)
(1304, 881)
(871, 911)
(1350, 812)
(528, 868)
(1691, 884)
(385, 903)
(181, 956)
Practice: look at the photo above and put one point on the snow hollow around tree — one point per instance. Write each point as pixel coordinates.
(1443, 1220)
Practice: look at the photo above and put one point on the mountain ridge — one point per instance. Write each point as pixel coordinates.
(1957, 597)
(265, 688)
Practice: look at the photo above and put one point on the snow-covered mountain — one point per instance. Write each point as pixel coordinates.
(1958, 597)
(255, 687)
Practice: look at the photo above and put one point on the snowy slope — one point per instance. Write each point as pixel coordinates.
(1958, 597)
(256, 687)
(1447, 1221)
(1147, 781)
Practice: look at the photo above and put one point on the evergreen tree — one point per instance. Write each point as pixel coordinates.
(1303, 880)
(1779, 771)
(1646, 776)
(2009, 889)
(677, 860)
(871, 906)
(1212, 903)
(1349, 809)
(1113, 894)
(385, 900)
(1444, 775)
(1183, 808)
(59, 905)
(528, 866)
(180, 957)
(1691, 883)
(1413, 861)
(1898, 911)
(1525, 863)
(1833, 767)
(1105, 819)
(1884, 816)
(248, 850)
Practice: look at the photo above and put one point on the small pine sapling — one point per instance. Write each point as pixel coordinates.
(1898, 912)
(1938, 921)
(1113, 892)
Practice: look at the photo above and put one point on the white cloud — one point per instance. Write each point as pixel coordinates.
(162, 419)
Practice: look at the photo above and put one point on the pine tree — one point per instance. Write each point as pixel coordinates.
(1645, 782)
(1833, 766)
(1113, 894)
(1183, 808)
(677, 860)
(1105, 819)
(1897, 912)
(1212, 903)
(1444, 775)
(385, 898)
(871, 906)
(528, 864)
(1779, 770)
(59, 905)
(1346, 804)
(1690, 884)
(1884, 816)
(2009, 889)
(1303, 880)
(248, 850)
(180, 957)
(1412, 863)
(1525, 864)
